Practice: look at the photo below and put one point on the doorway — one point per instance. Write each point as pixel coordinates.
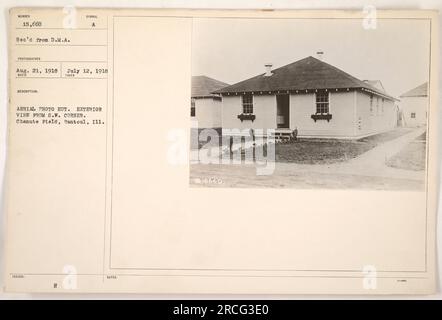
(283, 111)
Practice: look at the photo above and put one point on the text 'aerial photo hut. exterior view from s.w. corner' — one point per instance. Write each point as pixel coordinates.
(298, 103)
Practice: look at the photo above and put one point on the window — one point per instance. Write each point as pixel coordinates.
(322, 102)
(192, 107)
(382, 111)
(247, 104)
(377, 105)
(413, 115)
(371, 104)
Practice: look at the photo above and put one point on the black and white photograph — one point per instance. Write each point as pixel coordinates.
(324, 103)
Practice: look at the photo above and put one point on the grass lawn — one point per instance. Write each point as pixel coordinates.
(412, 157)
(326, 151)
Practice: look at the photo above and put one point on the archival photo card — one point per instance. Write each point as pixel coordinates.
(222, 151)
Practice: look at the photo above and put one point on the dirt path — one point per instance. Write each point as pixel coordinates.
(373, 162)
(379, 154)
(244, 176)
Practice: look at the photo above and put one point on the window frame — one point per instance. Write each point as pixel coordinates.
(247, 106)
(377, 106)
(327, 103)
(192, 108)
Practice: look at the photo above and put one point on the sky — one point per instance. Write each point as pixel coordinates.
(232, 50)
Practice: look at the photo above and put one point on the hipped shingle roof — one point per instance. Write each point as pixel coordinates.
(203, 86)
(305, 74)
(419, 91)
(376, 83)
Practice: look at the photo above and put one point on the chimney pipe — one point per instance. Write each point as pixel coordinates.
(320, 54)
(268, 67)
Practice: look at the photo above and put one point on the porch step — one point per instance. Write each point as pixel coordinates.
(282, 135)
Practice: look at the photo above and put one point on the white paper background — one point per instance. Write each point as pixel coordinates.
(212, 4)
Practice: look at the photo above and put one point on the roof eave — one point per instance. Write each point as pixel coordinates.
(206, 96)
(383, 95)
(236, 92)
(417, 96)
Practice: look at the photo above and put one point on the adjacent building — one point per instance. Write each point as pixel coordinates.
(316, 98)
(206, 105)
(414, 105)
